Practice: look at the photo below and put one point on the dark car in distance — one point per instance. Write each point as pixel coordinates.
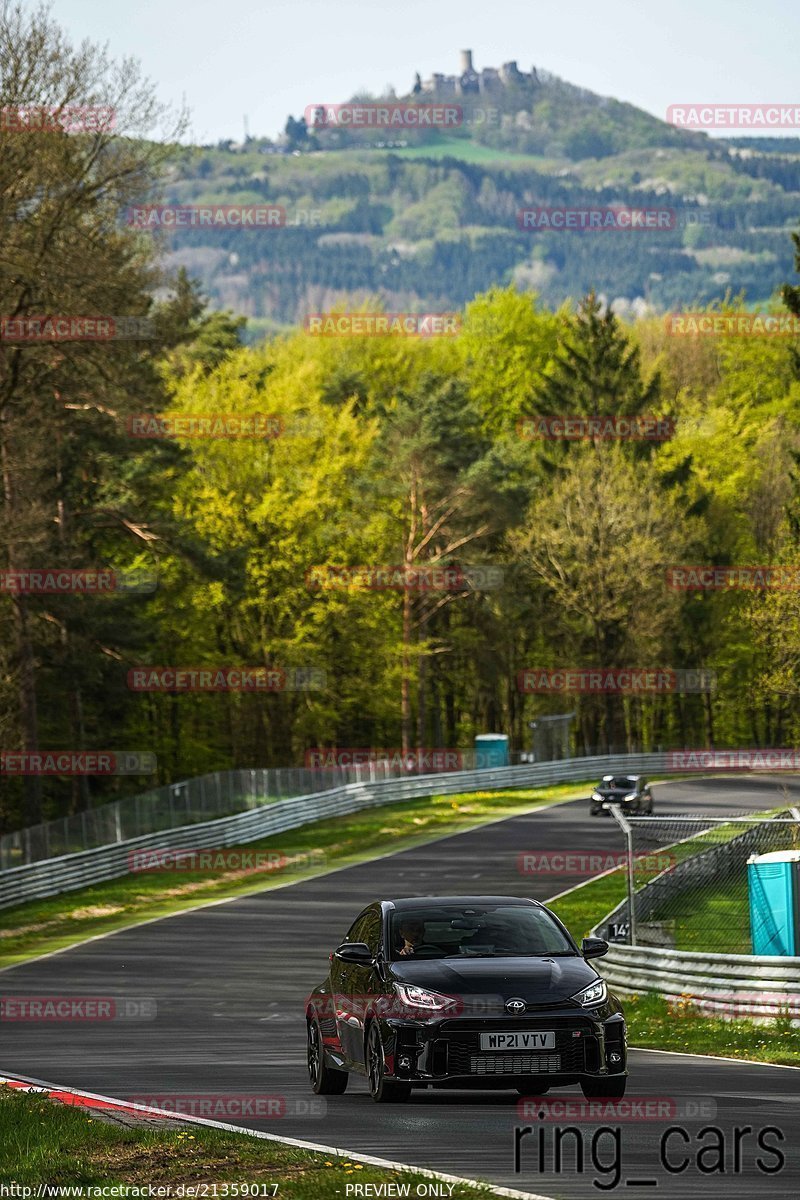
(630, 792)
(465, 991)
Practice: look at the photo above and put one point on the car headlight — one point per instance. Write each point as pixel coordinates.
(595, 993)
(596, 796)
(419, 997)
(631, 796)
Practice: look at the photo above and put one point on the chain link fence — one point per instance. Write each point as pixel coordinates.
(220, 794)
(687, 878)
(193, 801)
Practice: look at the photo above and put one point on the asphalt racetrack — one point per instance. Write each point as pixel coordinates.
(230, 980)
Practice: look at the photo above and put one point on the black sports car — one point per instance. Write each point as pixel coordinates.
(464, 991)
(631, 792)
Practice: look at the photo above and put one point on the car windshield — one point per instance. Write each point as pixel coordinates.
(620, 782)
(475, 931)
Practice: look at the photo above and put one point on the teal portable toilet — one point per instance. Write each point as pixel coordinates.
(491, 750)
(774, 887)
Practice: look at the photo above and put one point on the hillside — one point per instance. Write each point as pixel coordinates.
(426, 219)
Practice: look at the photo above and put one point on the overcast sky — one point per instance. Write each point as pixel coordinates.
(268, 58)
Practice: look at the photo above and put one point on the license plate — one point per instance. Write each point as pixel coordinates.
(529, 1040)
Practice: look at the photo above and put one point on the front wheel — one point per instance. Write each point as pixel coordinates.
(325, 1080)
(381, 1090)
(610, 1088)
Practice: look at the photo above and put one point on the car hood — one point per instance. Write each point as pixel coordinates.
(613, 793)
(537, 981)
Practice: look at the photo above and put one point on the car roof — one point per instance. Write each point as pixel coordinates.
(406, 902)
(621, 775)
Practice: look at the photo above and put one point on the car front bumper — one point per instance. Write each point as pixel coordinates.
(449, 1049)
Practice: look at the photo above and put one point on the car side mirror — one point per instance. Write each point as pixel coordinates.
(594, 947)
(355, 952)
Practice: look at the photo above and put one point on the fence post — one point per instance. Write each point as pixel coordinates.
(627, 829)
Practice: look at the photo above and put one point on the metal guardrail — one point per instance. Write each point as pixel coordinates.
(726, 985)
(35, 881)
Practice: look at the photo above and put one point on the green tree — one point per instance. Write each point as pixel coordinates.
(65, 254)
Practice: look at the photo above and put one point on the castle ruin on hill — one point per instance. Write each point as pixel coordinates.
(470, 82)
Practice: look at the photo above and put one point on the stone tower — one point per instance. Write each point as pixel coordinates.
(466, 62)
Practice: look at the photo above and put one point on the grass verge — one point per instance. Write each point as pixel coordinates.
(657, 1024)
(39, 926)
(43, 1142)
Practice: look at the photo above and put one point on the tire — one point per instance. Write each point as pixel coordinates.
(610, 1088)
(594, 812)
(381, 1090)
(325, 1080)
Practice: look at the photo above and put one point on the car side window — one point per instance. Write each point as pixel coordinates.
(354, 932)
(366, 928)
(370, 931)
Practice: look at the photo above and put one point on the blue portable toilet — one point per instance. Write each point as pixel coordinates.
(774, 888)
(491, 750)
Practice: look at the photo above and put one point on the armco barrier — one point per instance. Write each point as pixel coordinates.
(726, 985)
(55, 875)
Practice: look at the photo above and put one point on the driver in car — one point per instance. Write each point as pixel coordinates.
(412, 931)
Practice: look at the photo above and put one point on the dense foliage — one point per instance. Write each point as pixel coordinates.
(393, 451)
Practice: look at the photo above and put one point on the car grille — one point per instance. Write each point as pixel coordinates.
(460, 1054)
(514, 1064)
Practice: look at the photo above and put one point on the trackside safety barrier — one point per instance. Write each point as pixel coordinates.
(71, 871)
